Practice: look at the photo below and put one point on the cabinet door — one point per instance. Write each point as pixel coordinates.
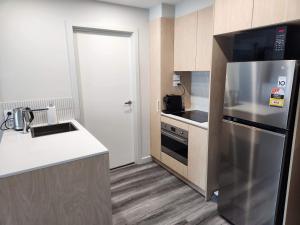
(185, 42)
(204, 39)
(292, 10)
(232, 15)
(267, 12)
(175, 165)
(197, 156)
(155, 84)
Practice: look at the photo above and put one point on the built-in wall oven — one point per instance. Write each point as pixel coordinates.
(174, 142)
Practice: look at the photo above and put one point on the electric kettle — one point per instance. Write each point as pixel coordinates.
(21, 117)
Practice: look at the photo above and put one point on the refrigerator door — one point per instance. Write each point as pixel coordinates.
(251, 161)
(249, 86)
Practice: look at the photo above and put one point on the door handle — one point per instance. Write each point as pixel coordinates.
(128, 103)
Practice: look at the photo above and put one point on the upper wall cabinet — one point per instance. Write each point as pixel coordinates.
(292, 10)
(232, 15)
(193, 41)
(237, 15)
(267, 12)
(204, 39)
(185, 41)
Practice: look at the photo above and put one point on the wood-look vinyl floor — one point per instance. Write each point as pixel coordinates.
(149, 195)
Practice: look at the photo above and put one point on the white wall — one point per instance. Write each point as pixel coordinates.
(183, 8)
(189, 6)
(162, 10)
(200, 91)
(33, 51)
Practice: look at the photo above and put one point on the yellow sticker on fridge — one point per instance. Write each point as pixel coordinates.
(277, 97)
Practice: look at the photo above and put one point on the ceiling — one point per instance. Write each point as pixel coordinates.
(142, 3)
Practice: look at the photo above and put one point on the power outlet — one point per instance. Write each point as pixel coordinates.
(176, 80)
(6, 112)
(9, 123)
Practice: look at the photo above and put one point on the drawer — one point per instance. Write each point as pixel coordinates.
(175, 123)
(175, 165)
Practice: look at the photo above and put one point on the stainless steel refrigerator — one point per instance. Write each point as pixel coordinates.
(257, 131)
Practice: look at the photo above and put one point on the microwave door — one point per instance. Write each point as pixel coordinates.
(251, 85)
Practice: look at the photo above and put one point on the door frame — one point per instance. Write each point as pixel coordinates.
(135, 82)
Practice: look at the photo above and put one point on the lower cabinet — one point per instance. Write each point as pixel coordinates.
(72, 193)
(175, 165)
(196, 170)
(197, 156)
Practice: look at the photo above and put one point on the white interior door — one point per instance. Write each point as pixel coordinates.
(105, 83)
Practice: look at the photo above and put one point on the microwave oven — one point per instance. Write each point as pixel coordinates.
(266, 44)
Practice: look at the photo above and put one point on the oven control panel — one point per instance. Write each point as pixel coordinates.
(175, 130)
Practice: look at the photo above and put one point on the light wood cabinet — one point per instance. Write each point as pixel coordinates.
(232, 15)
(175, 165)
(193, 41)
(155, 90)
(185, 41)
(175, 123)
(204, 39)
(196, 171)
(292, 10)
(161, 71)
(267, 12)
(292, 216)
(237, 15)
(76, 193)
(197, 156)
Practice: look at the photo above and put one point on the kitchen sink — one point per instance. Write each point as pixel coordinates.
(52, 129)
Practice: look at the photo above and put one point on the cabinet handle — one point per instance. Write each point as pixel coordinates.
(158, 105)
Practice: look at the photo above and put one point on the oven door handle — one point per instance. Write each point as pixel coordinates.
(179, 139)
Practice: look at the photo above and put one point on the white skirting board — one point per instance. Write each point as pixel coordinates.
(144, 160)
(64, 108)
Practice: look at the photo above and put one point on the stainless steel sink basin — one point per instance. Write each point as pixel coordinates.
(52, 129)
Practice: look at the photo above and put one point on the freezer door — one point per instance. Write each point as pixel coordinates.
(249, 86)
(251, 160)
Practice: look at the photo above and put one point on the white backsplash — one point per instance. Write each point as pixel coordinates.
(200, 91)
(199, 103)
(64, 108)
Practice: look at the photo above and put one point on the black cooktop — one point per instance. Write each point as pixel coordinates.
(194, 115)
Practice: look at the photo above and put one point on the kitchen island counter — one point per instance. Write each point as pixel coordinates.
(60, 179)
(21, 153)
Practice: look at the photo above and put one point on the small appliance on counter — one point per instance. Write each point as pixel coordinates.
(21, 117)
(173, 103)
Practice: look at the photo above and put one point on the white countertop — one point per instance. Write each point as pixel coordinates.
(191, 122)
(21, 153)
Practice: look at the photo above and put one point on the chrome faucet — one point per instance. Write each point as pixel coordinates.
(26, 123)
(28, 117)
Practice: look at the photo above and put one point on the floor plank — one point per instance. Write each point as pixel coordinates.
(149, 195)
